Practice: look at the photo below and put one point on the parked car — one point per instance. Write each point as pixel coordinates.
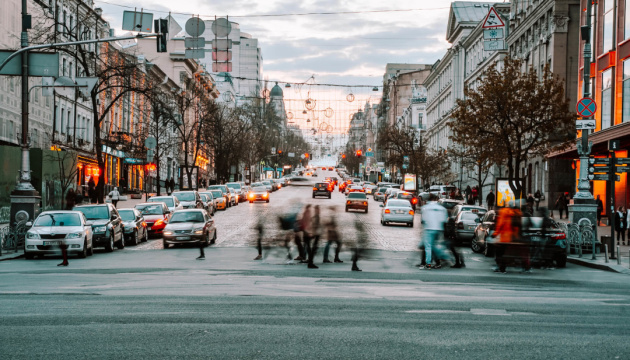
(398, 211)
(238, 188)
(155, 215)
(171, 201)
(357, 201)
(235, 196)
(465, 224)
(52, 228)
(226, 193)
(189, 199)
(189, 226)
(546, 241)
(208, 203)
(449, 230)
(322, 189)
(107, 228)
(449, 204)
(409, 196)
(220, 202)
(259, 193)
(134, 226)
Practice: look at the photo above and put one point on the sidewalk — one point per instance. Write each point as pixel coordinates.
(622, 266)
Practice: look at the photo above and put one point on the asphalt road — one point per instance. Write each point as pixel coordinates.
(145, 302)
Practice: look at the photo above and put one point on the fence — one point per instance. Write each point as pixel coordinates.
(580, 236)
(12, 237)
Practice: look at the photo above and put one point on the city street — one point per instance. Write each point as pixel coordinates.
(146, 302)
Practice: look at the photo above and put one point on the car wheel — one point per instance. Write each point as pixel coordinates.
(411, 224)
(214, 238)
(366, 210)
(29, 256)
(346, 209)
(474, 245)
(134, 239)
(329, 196)
(165, 245)
(110, 246)
(561, 260)
(121, 243)
(145, 238)
(267, 200)
(313, 196)
(83, 253)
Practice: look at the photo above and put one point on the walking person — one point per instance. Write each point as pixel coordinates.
(537, 197)
(561, 205)
(434, 217)
(71, 197)
(92, 190)
(508, 229)
(600, 210)
(490, 198)
(333, 237)
(115, 196)
(260, 229)
(64, 253)
(529, 201)
(468, 193)
(360, 243)
(316, 231)
(307, 232)
(620, 225)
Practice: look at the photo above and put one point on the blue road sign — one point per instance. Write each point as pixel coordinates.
(586, 107)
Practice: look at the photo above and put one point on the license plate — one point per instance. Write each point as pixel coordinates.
(471, 227)
(148, 228)
(183, 238)
(400, 212)
(538, 239)
(46, 243)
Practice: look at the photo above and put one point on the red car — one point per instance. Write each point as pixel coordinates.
(155, 215)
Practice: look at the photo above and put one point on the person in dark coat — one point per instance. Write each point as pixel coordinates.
(490, 199)
(79, 197)
(561, 205)
(468, 193)
(92, 190)
(70, 199)
(537, 197)
(600, 210)
(620, 224)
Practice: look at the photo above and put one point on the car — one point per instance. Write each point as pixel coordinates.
(342, 187)
(335, 180)
(155, 215)
(369, 188)
(208, 203)
(354, 188)
(379, 194)
(398, 211)
(449, 204)
(107, 228)
(449, 230)
(171, 201)
(134, 226)
(409, 196)
(226, 193)
(357, 201)
(220, 202)
(189, 199)
(238, 188)
(189, 226)
(389, 192)
(235, 197)
(322, 189)
(314, 174)
(330, 168)
(54, 228)
(268, 185)
(259, 193)
(301, 181)
(547, 248)
(441, 191)
(465, 225)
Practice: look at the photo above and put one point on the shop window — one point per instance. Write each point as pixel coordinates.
(626, 91)
(606, 98)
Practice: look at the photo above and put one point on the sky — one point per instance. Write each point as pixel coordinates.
(349, 49)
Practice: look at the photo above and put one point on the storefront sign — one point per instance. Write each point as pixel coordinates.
(134, 161)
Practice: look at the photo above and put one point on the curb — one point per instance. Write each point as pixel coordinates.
(12, 256)
(612, 268)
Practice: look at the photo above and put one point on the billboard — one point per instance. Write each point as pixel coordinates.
(504, 192)
(410, 182)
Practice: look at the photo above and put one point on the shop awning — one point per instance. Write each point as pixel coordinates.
(267, 168)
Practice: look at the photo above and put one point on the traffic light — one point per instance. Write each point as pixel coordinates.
(359, 153)
(343, 156)
(306, 155)
(280, 152)
(150, 167)
(161, 28)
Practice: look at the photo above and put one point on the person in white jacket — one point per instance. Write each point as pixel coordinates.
(115, 196)
(434, 217)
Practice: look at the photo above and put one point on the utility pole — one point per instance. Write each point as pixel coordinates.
(24, 198)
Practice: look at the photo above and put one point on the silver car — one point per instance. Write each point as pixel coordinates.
(52, 229)
(398, 211)
(171, 201)
(189, 226)
(465, 225)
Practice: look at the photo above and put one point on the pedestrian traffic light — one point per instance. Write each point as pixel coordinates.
(359, 153)
(161, 28)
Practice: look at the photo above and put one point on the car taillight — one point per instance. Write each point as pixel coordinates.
(348, 202)
(443, 193)
(144, 224)
(460, 225)
(365, 203)
(387, 211)
(414, 201)
(314, 189)
(558, 236)
(159, 222)
(410, 212)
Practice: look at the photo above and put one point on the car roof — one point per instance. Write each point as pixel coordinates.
(190, 210)
(152, 203)
(61, 212)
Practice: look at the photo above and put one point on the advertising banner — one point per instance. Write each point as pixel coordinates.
(410, 182)
(504, 192)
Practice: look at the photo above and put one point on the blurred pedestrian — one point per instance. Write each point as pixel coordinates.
(468, 193)
(561, 205)
(71, 197)
(78, 199)
(307, 232)
(316, 233)
(620, 225)
(475, 192)
(332, 236)
(115, 196)
(490, 198)
(600, 210)
(508, 231)
(434, 217)
(359, 245)
(529, 201)
(537, 197)
(64, 253)
(260, 229)
(92, 190)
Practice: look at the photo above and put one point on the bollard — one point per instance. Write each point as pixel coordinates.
(606, 253)
(618, 256)
(593, 247)
(579, 243)
(628, 259)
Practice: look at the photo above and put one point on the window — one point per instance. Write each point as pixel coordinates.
(62, 124)
(626, 27)
(65, 23)
(606, 98)
(64, 67)
(626, 91)
(608, 25)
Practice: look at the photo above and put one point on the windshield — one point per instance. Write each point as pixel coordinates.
(398, 203)
(216, 193)
(382, 190)
(235, 186)
(150, 209)
(266, 183)
(127, 215)
(468, 216)
(357, 195)
(186, 216)
(260, 189)
(58, 220)
(208, 194)
(405, 196)
(167, 200)
(217, 187)
(94, 212)
(449, 205)
(185, 196)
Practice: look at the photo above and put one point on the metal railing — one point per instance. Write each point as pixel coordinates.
(580, 236)
(12, 237)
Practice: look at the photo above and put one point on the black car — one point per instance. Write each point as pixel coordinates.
(135, 228)
(544, 238)
(322, 189)
(107, 226)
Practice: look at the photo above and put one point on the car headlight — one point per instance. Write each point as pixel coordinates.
(100, 229)
(198, 231)
(32, 235)
(76, 235)
(167, 233)
(128, 229)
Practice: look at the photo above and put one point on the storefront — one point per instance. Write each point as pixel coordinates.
(87, 168)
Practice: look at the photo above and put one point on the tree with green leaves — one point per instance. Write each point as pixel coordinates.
(513, 115)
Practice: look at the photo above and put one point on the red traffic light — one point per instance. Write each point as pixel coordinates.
(343, 156)
(306, 155)
(359, 153)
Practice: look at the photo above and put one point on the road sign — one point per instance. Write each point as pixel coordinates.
(493, 34)
(602, 161)
(150, 142)
(194, 42)
(494, 45)
(586, 107)
(493, 20)
(291, 154)
(39, 64)
(222, 44)
(599, 177)
(221, 27)
(623, 161)
(195, 26)
(137, 21)
(195, 53)
(622, 169)
(369, 153)
(369, 149)
(585, 124)
(273, 151)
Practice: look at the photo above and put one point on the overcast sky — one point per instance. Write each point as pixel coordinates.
(348, 49)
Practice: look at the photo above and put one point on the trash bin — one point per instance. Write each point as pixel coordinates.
(607, 240)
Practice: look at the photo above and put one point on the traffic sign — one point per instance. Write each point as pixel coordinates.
(150, 142)
(586, 107)
(194, 53)
(622, 169)
(195, 26)
(369, 153)
(194, 42)
(623, 161)
(599, 177)
(601, 161)
(585, 124)
(493, 20)
(494, 45)
(493, 34)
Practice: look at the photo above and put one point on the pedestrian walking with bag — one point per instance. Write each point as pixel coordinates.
(561, 205)
(600, 210)
(115, 196)
(360, 243)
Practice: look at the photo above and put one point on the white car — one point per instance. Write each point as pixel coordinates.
(398, 211)
(301, 181)
(54, 228)
(171, 201)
